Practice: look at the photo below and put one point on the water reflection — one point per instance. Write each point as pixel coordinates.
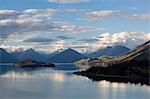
(113, 85)
(50, 83)
(64, 66)
(112, 90)
(18, 75)
(59, 77)
(6, 68)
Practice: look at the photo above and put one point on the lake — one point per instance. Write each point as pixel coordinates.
(60, 83)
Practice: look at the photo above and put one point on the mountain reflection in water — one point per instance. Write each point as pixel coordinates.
(53, 83)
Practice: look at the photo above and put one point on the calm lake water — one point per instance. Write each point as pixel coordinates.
(60, 83)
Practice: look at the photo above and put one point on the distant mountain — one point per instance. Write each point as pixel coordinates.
(55, 52)
(29, 54)
(5, 57)
(67, 56)
(110, 51)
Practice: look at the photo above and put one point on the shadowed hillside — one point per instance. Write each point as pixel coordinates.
(133, 67)
(5, 57)
(67, 56)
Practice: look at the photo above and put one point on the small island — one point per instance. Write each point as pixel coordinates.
(32, 64)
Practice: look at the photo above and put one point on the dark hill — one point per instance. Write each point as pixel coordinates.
(67, 56)
(131, 67)
(32, 64)
(5, 57)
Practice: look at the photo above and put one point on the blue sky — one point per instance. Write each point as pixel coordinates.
(85, 25)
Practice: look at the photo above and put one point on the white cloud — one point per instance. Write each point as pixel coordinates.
(35, 21)
(72, 29)
(39, 39)
(12, 48)
(68, 1)
(129, 39)
(4, 14)
(19, 21)
(97, 15)
(145, 16)
(38, 20)
(5, 22)
(48, 47)
(40, 12)
(7, 12)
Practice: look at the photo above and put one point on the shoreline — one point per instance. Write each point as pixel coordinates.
(114, 78)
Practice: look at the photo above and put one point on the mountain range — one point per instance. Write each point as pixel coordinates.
(67, 56)
(63, 56)
(110, 51)
(29, 54)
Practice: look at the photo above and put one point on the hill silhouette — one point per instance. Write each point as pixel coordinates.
(67, 56)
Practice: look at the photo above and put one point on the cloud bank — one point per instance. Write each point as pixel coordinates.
(128, 39)
(36, 20)
(21, 29)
